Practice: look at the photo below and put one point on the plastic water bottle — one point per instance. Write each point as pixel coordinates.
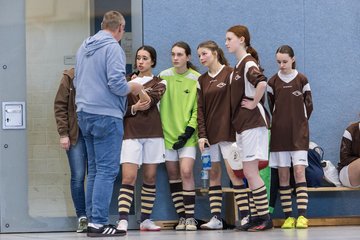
(206, 159)
(204, 178)
(206, 166)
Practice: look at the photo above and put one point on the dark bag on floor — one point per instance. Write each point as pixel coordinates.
(314, 172)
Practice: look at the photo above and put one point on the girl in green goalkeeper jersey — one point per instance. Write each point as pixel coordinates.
(178, 111)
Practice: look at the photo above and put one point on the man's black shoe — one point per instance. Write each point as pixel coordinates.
(105, 231)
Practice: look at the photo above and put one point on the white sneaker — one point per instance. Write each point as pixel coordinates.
(122, 225)
(82, 225)
(213, 224)
(149, 225)
(191, 224)
(244, 224)
(181, 225)
(245, 220)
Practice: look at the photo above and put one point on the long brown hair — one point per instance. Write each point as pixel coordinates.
(213, 47)
(243, 31)
(286, 49)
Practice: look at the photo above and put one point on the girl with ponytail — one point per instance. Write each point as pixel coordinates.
(214, 111)
(290, 101)
(248, 85)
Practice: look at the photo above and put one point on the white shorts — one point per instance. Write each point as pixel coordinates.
(253, 144)
(223, 147)
(344, 177)
(175, 155)
(143, 150)
(284, 159)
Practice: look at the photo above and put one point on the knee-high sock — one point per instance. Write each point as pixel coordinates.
(242, 199)
(189, 203)
(285, 197)
(177, 197)
(125, 199)
(215, 198)
(253, 211)
(301, 198)
(148, 193)
(261, 201)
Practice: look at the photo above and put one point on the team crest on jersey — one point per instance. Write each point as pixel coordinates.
(187, 91)
(297, 93)
(220, 85)
(237, 77)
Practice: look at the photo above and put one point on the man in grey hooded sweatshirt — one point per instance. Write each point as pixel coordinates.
(101, 90)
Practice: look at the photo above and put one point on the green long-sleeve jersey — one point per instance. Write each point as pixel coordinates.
(178, 106)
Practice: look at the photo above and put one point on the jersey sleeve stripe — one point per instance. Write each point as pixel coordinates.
(347, 135)
(163, 82)
(306, 88)
(269, 89)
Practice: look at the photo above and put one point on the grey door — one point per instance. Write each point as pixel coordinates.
(38, 40)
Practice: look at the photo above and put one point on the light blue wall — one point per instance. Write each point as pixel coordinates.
(324, 34)
(332, 54)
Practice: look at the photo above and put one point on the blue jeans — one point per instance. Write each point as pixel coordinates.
(77, 161)
(103, 137)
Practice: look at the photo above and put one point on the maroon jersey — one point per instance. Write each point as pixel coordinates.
(244, 80)
(291, 105)
(214, 112)
(350, 145)
(145, 124)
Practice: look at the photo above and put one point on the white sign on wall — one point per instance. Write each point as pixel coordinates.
(126, 44)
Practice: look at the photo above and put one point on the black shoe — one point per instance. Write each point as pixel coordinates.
(248, 222)
(263, 225)
(105, 231)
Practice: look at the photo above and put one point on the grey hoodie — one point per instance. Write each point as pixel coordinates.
(100, 82)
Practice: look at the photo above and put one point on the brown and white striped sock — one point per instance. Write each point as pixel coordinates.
(148, 193)
(189, 203)
(301, 198)
(242, 199)
(261, 201)
(285, 197)
(253, 211)
(177, 196)
(125, 199)
(215, 198)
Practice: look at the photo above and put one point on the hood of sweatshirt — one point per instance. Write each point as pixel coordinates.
(99, 40)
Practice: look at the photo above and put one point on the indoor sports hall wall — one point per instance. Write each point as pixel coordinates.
(325, 35)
